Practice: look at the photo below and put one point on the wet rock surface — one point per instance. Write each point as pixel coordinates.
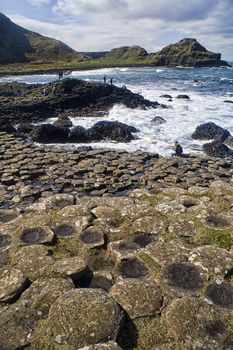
(102, 249)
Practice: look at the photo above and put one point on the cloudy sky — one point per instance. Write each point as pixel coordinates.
(98, 25)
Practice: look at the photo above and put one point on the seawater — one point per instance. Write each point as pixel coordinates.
(207, 88)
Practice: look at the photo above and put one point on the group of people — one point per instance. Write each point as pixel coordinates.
(105, 80)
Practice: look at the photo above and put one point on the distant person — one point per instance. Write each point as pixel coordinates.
(111, 81)
(178, 149)
(104, 78)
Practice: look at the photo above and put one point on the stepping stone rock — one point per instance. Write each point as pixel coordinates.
(103, 346)
(34, 261)
(212, 261)
(122, 249)
(12, 284)
(101, 279)
(64, 230)
(132, 268)
(74, 268)
(5, 241)
(138, 298)
(182, 228)
(84, 317)
(181, 279)
(195, 324)
(217, 221)
(164, 253)
(43, 293)
(144, 240)
(220, 294)
(37, 235)
(8, 215)
(93, 236)
(148, 224)
(58, 201)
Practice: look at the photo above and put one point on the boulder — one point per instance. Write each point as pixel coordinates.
(158, 120)
(25, 128)
(183, 97)
(63, 121)
(210, 131)
(112, 130)
(78, 134)
(165, 96)
(48, 133)
(6, 126)
(83, 317)
(217, 149)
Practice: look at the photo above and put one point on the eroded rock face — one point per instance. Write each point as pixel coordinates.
(138, 298)
(84, 328)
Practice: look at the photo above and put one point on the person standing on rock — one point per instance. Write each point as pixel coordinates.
(178, 149)
(111, 81)
(105, 78)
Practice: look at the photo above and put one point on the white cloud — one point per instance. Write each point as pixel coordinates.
(38, 3)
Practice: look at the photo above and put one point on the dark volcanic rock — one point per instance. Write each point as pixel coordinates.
(69, 94)
(78, 134)
(48, 133)
(184, 97)
(112, 130)
(5, 126)
(25, 128)
(63, 121)
(210, 131)
(158, 120)
(217, 149)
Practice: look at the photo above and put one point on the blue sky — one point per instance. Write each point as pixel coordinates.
(96, 25)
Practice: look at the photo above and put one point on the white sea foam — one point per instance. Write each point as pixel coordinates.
(182, 117)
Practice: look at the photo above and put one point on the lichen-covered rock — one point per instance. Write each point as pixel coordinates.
(138, 298)
(37, 235)
(101, 279)
(74, 268)
(93, 236)
(220, 294)
(181, 279)
(212, 261)
(8, 215)
(43, 293)
(195, 324)
(132, 268)
(122, 249)
(149, 224)
(84, 317)
(164, 253)
(182, 228)
(12, 284)
(34, 261)
(103, 346)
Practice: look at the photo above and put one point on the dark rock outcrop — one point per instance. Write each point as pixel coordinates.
(48, 133)
(217, 149)
(63, 121)
(6, 126)
(78, 134)
(158, 120)
(210, 131)
(112, 130)
(188, 53)
(78, 97)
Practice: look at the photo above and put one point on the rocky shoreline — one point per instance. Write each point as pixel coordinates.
(104, 249)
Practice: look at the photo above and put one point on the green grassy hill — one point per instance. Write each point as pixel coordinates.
(21, 45)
